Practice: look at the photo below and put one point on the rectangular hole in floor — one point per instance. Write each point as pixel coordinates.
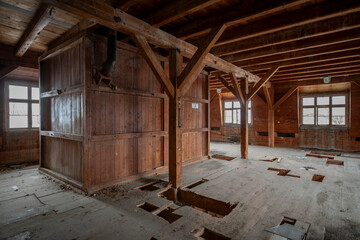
(147, 207)
(150, 187)
(168, 215)
(288, 220)
(222, 157)
(326, 153)
(152, 238)
(318, 178)
(283, 172)
(205, 204)
(211, 235)
(318, 156)
(335, 162)
(195, 184)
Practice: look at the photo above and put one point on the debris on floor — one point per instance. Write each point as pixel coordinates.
(308, 168)
(222, 157)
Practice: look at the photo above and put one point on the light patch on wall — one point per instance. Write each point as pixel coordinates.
(195, 105)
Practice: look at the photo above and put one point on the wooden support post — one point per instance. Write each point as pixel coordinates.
(175, 133)
(269, 95)
(262, 81)
(244, 139)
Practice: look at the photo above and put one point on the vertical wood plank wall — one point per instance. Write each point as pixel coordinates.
(99, 136)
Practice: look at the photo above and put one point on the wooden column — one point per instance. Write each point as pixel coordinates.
(244, 138)
(271, 126)
(175, 133)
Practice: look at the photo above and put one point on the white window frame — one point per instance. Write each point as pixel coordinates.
(28, 101)
(330, 106)
(236, 124)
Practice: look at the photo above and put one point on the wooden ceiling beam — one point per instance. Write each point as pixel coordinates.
(6, 69)
(331, 48)
(303, 44)
(196, 63)
(154, 64)
(319, 28)
(310, 14)
(118, 20)
(262, 82)
(337, 79)
(8, 57)
(41, 19)
(241, 13)
(307, 60)
(345, 72)
(175, 10)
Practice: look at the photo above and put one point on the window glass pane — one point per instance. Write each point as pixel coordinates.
(323, 100)
(35, 115)
(249, 104)
(323, 116)
(18, 109)
(228, 104)
(249, 116)
(18, 92)
(35, 93)
(308, 101)
(236, 104)
(338, 116)
(238, 116)
(308, 116)
(18, 122)
(336, 100)
(228, 116)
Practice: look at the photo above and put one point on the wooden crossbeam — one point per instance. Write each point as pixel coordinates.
(196, 64)
(240, 95)
(117, 19)
(314, 29)
(268, 97)
(175, 10)
(262, 81)
(42, 17)
(357, 83)
(227, 85)
(154, 63)
(6, 70)
(341, 79)
(213, 96)
(285, 96)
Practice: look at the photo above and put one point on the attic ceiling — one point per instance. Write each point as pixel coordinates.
(308, 39)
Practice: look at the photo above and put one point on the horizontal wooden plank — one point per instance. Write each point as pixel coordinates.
(198, 100)
(64, 91)
(110, 137)
(69, 136)
(128, 92)
(195, 130)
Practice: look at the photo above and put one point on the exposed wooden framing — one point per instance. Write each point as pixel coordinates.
(312, 13)
(262, 82)
(119, 20)
(213, 96)
(244, 138)
(307, 60)
(124, 4)
(175, 131)
(304, 44)
(240, 95)
(73, 32)
(331, 48)
(6, 70)
(68, 136)
(175, 10)
(241, 13)
(110, 137)
(285, 96)
(226, 84)
(314, 29)
(154, 63)
(195, 64)
(7, 57)
(269, 95)
(342, 79)
(357, 83)
(42, 17)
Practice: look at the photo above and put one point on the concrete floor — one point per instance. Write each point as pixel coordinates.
(43, 208)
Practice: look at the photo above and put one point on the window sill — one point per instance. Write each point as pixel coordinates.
(236, 125)
(313, 127)
(22, 130)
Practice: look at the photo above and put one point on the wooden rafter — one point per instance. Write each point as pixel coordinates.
(154, 63)
(196, 64)
(116, 19)
(227, 85)
(175, 10)
(285, 96)
(268, 97)
(241, 13)
(319, 28)
(5, 70)
(262, 81)
(42, 17)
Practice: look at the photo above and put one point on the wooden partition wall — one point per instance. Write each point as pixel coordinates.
(93, 136)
